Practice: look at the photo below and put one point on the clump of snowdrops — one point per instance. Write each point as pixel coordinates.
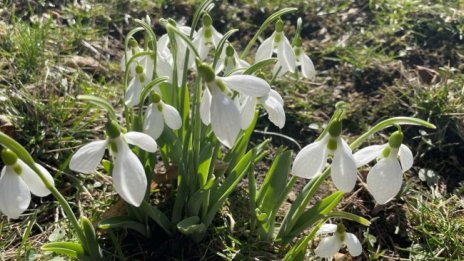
(192, 100)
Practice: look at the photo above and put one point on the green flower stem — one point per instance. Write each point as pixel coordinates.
(263, 27)
(390, 122)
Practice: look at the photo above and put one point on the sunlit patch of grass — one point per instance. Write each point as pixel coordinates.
(437, 225)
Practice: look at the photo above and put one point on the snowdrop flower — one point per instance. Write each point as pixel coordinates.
(329, 246)
(280, 44)
(128, 172)
(17, 181)
(303, 60)
(217, 107)
(144, 74)
(272, 103)
(229, 61)
(165, 59)
(159, 113)
(386, 177)
(312, 159)
(206, 37)
(133, 49)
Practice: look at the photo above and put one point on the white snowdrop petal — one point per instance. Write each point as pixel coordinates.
(87, 158)
(153, 123)
(217, 36)
(274, 108)
(326, 228)
(205, 107)
(353, 244)
(141, 140)
(343, 172)
(33, 181)
(384, 180)
(15, 196)
(311, 160)
(328, 247)
(134, 89)
(307, 67)
(247, 84)
(200, 44)
(247, 112)
(129, 175)
(225, 119)
(367, 154)
(279, 69)
(286, 55)
(406, 157)
(265, 49)
(171, 116)
(276, 96)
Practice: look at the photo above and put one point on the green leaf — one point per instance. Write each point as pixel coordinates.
(191, 226)
(156, 215)
(123, 222)
(93, 248)
(259, 65)
(349, 216)
(274, 182)
(314, 214)
(99, 102)
(71, 249)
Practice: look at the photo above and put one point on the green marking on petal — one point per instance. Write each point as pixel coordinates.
(332, 144)
(386, 152)
(17, 169)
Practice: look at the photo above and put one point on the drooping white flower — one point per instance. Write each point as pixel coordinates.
(302, 60)
(330, 245)
(312, 159)
(230, 61)
(272, 103)
(277, 42)
(206, 37)
(159, 113)
(133, 49)
(17, 181)
(128, 172)
(386, 177)
(217, 107)
(144, 74)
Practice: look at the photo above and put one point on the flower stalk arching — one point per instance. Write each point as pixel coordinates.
(22, 154)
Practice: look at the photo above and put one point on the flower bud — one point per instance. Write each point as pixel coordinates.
(9, 157)
(207, 21)
(395, 139)
(335, 128)
(112, 129)
(279, 26)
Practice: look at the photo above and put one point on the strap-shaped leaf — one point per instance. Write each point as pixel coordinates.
(123, 222)
(314, 214)
(71, 249)
(156, 215)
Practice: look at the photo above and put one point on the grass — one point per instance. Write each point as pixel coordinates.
(366, 52)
